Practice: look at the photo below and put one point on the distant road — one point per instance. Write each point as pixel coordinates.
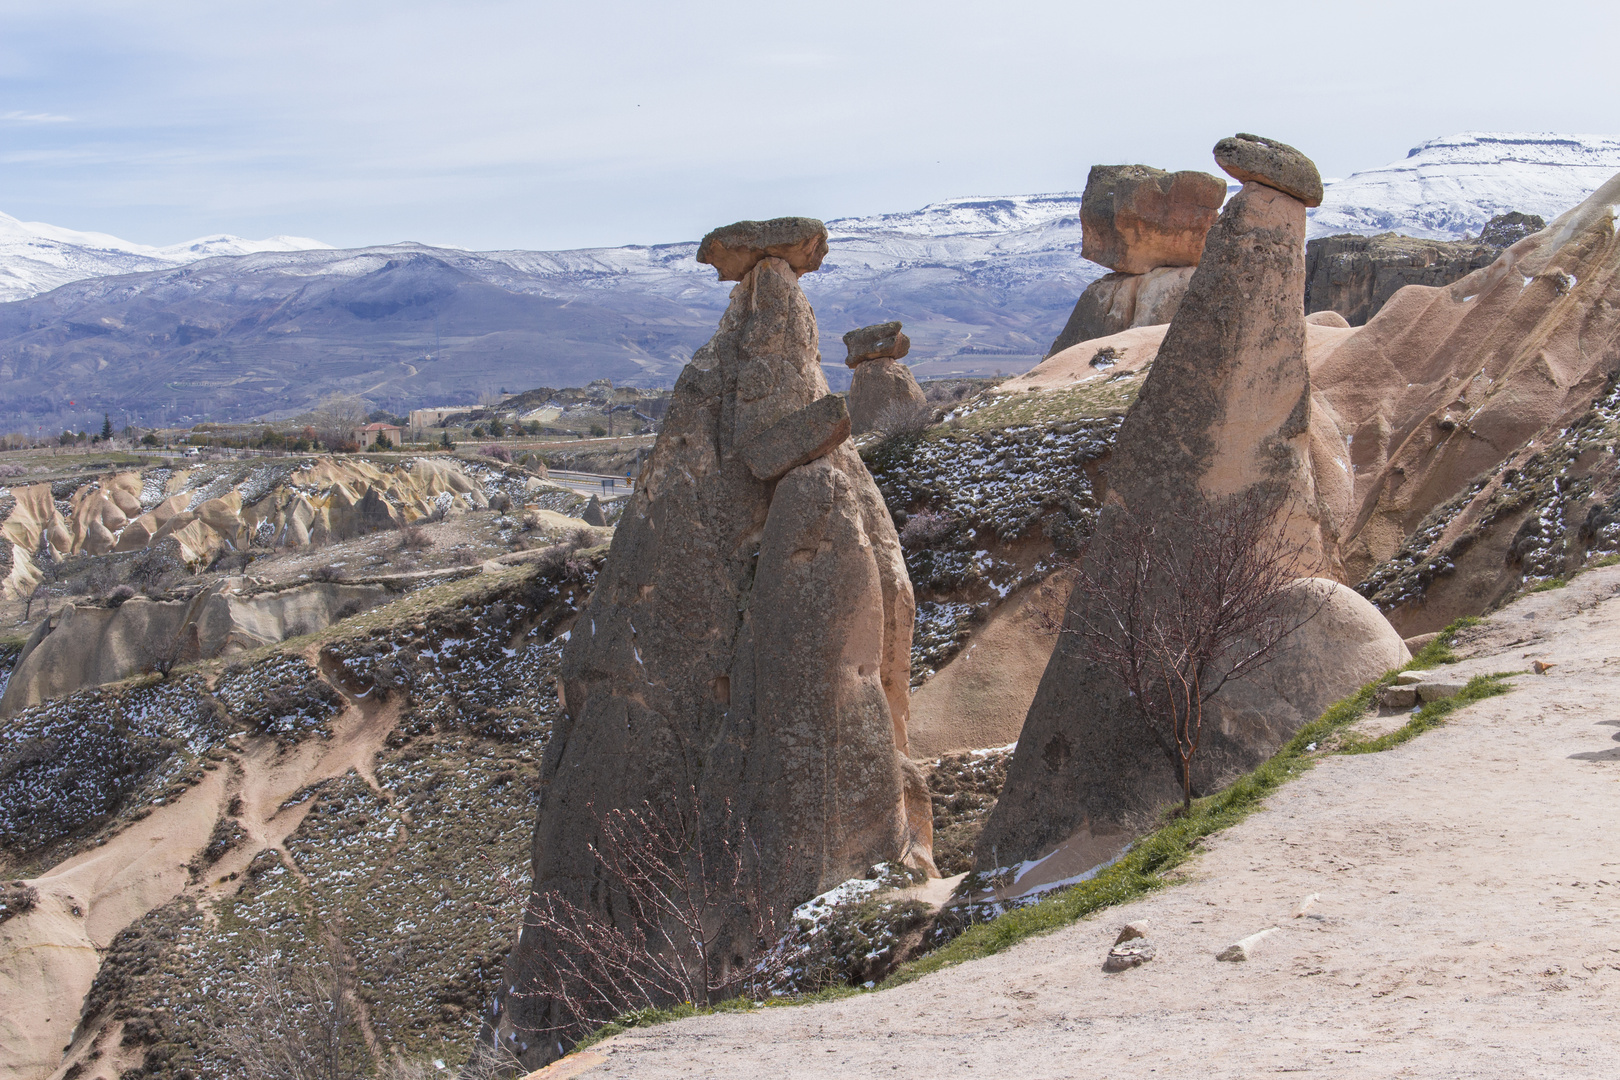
(598, 484)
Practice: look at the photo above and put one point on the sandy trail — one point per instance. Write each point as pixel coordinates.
(1468, 925)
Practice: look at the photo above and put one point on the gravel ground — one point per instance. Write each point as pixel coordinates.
(1468, 920)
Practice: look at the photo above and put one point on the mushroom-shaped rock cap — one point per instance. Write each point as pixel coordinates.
(883, 341)
(736, 249)
(1274, 164)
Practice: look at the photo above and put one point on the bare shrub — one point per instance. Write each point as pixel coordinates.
(582, 538)
(926, 528)
(166, 653)
(122, 593)
(293, 1022)
(904, 419)
(499, 453)
(686, 890)
(329, 572)
(414, 538)
(336, 420)
(9, 469)
(1177, 605)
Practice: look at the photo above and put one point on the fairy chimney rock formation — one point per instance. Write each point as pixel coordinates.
(883, 341)
(1257, 160)
(1226, 406)
(735, 249)
(882, 388)
(749, 637)
(1148, 226)
(1135, 218)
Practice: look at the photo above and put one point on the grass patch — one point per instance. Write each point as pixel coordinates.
(1433, 714)
(1145, 868)
(1548, 585)
(1099, 397)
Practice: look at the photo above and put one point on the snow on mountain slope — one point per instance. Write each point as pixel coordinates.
(36, 257)
(1448, 188)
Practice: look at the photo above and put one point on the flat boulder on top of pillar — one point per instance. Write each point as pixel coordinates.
(797, 439)
(1135, 218)
(882, 341)
(1274, 164)
(735, 249)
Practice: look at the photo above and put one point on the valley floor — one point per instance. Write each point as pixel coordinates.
(1468, 923)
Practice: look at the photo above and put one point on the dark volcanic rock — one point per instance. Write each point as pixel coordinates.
(1505, 230)
(1266, 161)
(735, 249)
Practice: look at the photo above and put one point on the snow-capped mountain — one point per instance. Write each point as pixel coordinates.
(1446, 189)
(226, 327)
(36, 257)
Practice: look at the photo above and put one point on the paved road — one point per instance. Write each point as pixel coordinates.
(598, 484)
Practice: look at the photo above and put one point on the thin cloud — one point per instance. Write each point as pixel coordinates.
(16, 117)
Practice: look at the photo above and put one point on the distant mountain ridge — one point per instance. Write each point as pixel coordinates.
(1448, 188)
(226, 328)
(36, 257)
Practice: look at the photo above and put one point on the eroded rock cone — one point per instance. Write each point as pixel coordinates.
(749, 639)
(883, 391)
(1148, 226)
(1226, 406)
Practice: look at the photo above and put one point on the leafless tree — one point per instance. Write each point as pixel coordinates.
(293, 1022)
(1177, 604)
(694, 924)
(337, 417)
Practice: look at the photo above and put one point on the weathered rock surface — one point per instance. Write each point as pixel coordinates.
(1356, 275)
(1090, 773)
(747, 641)
(884, 341)
(797, 439)
(1256, 159)
(1148, 226)
(1226, 406)
(880, 390)
(80, 647)
(1118, 302)
(735, 249)
(322, 500)
(1487, 403)
(1135, 218)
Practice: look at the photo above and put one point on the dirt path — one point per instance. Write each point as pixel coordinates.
(1468, 923)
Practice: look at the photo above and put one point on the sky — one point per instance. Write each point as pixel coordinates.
(544, 125)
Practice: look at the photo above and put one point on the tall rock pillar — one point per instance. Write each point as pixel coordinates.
(1226, 406)
(749, 638)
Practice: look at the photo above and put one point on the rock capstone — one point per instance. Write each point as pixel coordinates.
(1254, 159)
(733, 250)
(883, 390)
(884, 341)
(1135, 218)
